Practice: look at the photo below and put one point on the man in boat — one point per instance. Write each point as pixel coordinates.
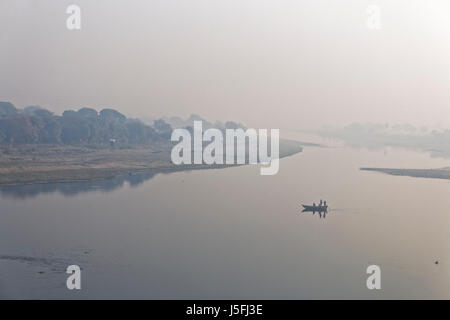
(320, 203)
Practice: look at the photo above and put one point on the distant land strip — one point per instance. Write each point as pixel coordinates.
(442, 173)
(31, 164)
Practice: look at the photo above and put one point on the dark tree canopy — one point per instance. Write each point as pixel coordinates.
(112, 114)
(7, 109)
(85, 126)
(88, 112)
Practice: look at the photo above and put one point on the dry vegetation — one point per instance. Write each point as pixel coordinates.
(46, 163)
(56, 163)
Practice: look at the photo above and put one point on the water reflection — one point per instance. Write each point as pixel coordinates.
(321, 210)
(179, 243)
(73, 188)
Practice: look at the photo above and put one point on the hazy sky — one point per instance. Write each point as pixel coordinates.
(267, 63)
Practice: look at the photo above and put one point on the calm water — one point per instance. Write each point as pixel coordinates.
(232, 233)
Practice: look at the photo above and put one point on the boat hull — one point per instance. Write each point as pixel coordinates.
(314, 208)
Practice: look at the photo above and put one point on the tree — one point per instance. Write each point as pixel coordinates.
(7, 109)
(112, 114)
(88, 113)
(163, 128)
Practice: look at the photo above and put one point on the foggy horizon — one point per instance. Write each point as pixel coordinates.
(316, 165)
(285, 64)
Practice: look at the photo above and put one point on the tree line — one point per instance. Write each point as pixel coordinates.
(34, 125)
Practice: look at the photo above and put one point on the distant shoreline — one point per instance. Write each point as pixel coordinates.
(32, 164)
(90, 174)
(442, 173)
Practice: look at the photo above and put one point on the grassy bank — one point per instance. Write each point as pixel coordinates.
(28, 164)
(443, 173)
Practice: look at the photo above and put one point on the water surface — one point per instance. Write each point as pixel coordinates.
(231, 233)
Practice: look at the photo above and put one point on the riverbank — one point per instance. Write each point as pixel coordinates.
(32, 164)
(442, 173)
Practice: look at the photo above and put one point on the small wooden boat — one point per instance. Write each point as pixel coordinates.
(315, 208)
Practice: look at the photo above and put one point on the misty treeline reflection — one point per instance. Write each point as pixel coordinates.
(74, 188)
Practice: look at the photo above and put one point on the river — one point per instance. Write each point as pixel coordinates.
(234, 234)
